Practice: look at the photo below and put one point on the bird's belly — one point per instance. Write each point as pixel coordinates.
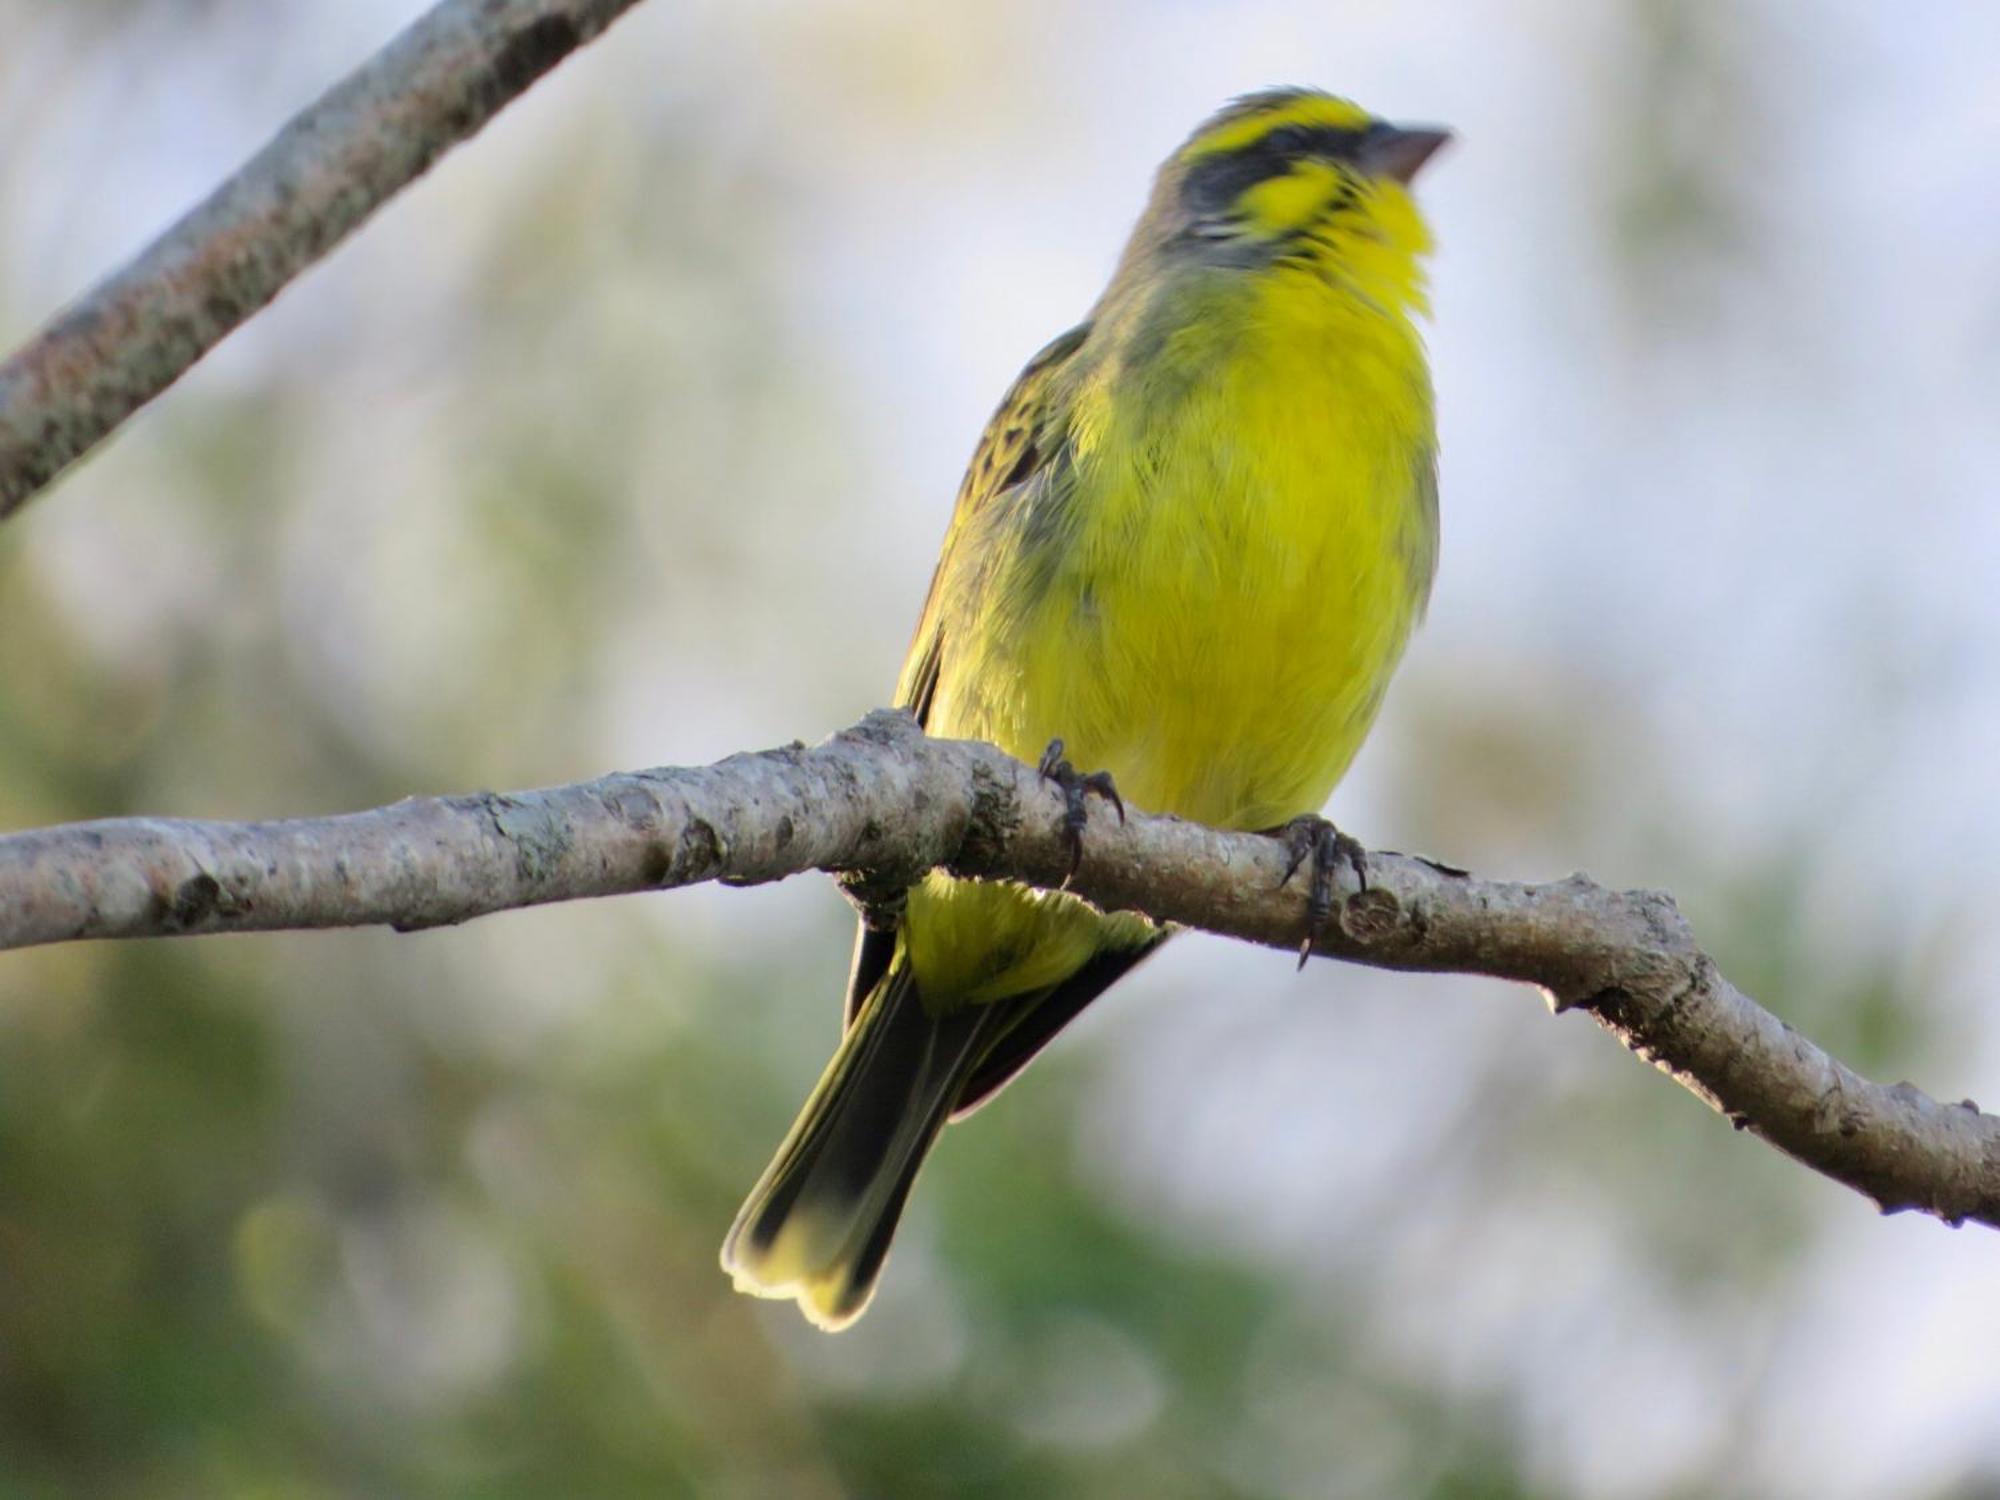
(1222, 644)
(1236, 693)
(1243, 709)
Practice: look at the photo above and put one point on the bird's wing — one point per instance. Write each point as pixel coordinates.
(1019, 441)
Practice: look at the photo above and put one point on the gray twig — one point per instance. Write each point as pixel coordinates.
(366, 139)
(884, 800)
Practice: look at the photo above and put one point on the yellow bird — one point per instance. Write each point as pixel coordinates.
(1188, 553)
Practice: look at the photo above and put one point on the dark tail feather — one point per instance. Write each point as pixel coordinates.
(818, 1224)
(1040, 1017)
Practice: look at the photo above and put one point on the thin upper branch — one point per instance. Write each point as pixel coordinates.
(884, 800)
(132, 336)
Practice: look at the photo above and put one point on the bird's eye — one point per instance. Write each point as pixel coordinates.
(1289, 140)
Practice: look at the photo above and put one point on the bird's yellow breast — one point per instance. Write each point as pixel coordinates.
(1250, 551)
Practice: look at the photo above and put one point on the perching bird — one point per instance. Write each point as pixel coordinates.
(1191, 546)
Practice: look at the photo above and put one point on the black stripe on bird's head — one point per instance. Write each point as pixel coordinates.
(1284, 163)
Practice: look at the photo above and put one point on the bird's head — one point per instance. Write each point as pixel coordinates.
(1292, 176)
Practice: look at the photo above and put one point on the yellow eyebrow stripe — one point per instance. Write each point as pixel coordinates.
(1316, 110)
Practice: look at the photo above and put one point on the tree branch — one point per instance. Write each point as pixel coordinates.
(883, 802)
(322, 175)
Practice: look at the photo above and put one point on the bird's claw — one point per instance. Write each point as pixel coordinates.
(1313, 837)
(1076, 787)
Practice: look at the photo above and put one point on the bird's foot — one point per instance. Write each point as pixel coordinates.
(1076, 787)
(1313, 837)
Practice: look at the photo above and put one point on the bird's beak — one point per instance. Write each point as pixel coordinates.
(1399, 151)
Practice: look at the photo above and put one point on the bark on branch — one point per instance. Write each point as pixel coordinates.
(881, 803)
(366, 139)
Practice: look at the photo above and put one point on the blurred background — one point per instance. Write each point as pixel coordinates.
(628, 437)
